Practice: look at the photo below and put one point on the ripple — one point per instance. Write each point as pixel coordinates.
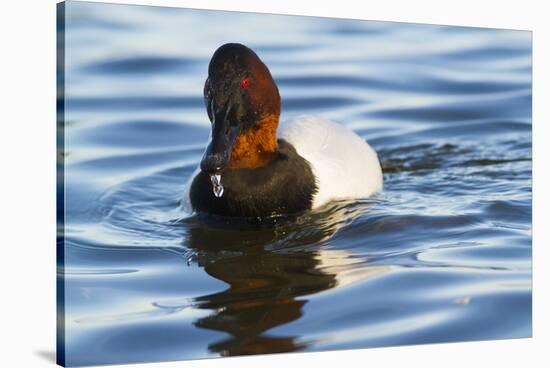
(509, 211)
(428, 84)
(357, 30)
(140, 65)
(490, 162)
(329, 81)
(128, 317)
(460, 111)
(260, 48)
(494, 257)
(71, 271)
(487, 53)
(85, 23)
(373, 332)
(305, 103)
(141, 133)
(119, 103)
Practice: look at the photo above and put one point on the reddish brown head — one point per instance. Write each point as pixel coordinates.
(243, 104)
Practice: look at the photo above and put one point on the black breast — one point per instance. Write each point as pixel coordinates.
(285, 186)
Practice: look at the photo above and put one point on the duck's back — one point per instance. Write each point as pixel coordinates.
(343, 163)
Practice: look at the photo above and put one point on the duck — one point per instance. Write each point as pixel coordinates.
(256, 167)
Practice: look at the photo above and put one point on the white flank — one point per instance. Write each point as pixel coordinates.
(343, 163)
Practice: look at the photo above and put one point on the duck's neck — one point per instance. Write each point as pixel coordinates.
(257, 147)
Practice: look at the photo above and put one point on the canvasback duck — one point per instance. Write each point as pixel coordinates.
(249, 171)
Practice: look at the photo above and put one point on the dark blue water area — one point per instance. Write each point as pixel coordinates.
(442, 254)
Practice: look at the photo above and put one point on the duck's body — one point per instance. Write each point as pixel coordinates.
(266, 169)
(318, 161)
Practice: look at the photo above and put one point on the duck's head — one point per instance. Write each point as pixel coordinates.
(243, 105)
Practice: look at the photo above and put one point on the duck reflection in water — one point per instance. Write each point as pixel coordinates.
(267, 270)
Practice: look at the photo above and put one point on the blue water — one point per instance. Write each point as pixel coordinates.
(442, 254)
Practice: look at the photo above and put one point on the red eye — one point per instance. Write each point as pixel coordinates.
(245, 83)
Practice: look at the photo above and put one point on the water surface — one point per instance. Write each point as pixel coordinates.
(442, 254)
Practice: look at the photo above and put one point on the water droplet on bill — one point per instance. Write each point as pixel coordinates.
(217, 186)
